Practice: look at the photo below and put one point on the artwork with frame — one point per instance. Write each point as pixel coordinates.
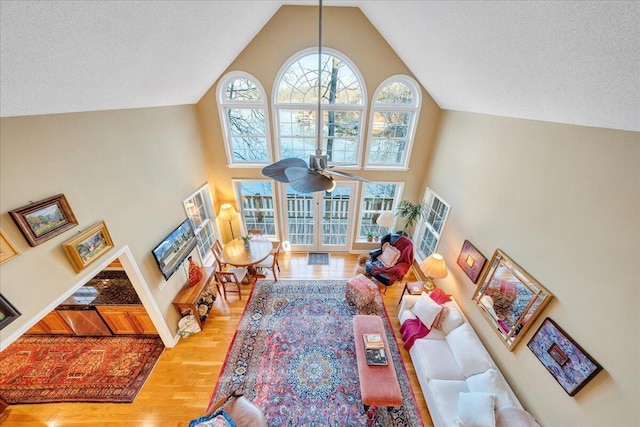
(471, 261)
(569, 364)
(40, 221)
(88, 246)
(8, 313)
(7, 249)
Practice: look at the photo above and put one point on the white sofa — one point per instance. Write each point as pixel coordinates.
(452, 360)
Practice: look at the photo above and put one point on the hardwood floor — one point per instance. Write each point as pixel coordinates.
(183, 380)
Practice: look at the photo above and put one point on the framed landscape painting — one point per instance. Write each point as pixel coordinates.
(8, 313)
(88, 246)
(569, 364)
(40, 221)
(471, 261)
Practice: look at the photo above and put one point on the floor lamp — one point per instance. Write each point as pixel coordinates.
(386, 220)
(228, 213)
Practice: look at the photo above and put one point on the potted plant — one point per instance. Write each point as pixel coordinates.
(410, 212)
(369, 236)
(246, 240)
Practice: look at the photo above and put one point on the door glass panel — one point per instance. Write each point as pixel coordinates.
(300, 217)
(335, 216)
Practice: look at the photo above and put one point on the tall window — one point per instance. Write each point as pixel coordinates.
(257, 209)
(394, 111)
(430, 228)
(200, 212)
(376, 198)
(242, 105)
(296, 102)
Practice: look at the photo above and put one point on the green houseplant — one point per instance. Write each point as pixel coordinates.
(410, 212)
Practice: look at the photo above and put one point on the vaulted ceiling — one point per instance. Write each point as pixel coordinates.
(566, 62)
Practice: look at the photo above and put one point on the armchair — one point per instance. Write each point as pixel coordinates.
(388, 275)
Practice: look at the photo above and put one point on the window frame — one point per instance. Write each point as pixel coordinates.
(277, 106)
(411, 128)
(209, 223)
(424, 226)
(396, 200)
(237, 183)
(224, 105)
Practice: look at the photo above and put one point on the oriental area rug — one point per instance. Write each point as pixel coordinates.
(47, 369)
(294, 356)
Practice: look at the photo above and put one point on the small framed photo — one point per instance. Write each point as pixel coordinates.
(569, 364)
(40, 221)
(7, 249)
(471, 261)
(88, 246)
(8, 313)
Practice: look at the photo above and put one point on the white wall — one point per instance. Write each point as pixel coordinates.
(130, 168)
(564, 203)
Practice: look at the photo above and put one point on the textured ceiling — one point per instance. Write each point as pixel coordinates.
(566, 62)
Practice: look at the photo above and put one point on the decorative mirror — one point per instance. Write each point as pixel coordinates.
(509, 298)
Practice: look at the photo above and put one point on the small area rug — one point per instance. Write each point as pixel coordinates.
(294, 356)
(318, 258)
(44, 369)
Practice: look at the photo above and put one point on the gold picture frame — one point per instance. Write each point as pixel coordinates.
(88, 246)
(7, 249)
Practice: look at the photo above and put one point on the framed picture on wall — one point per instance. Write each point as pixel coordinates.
(567, 362)
(88, 246)
(471, 261)
(8, 313)
(40, 221)
(7, 249)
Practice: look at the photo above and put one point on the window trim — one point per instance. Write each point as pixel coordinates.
(411, 130)
(396, 200)
(362, 107)
(427, 200)
(210, 222)
(224, 105)
(236, 182)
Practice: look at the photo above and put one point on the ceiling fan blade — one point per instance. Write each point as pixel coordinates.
(304, 180)
(348, 175)
(276, 170)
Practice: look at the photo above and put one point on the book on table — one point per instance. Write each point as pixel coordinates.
(374, 349)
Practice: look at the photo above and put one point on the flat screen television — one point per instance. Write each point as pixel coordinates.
(174, 249)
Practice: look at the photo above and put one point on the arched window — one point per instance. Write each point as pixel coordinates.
(394, 111)
(296, 102)
(242, 105)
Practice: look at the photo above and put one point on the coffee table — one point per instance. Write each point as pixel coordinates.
(378, 384)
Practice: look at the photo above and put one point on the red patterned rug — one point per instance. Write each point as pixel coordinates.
(43, 369)
(294, 356)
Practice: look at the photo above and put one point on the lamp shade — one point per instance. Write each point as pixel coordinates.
(434, 266)
(386, 219)
(227, 213)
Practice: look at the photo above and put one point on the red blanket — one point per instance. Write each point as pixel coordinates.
(397, 272)
(411, 330)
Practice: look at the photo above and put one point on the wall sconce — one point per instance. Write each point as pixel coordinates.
(433, 267)
(386, 220)
(228, 213)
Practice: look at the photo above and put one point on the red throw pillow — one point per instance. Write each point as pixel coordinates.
(439, 296)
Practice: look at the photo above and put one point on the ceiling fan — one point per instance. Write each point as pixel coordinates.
(317, 175)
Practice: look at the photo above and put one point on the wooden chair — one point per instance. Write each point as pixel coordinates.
(216, 248)
(271, 263)
(254, 232)
(231, 275)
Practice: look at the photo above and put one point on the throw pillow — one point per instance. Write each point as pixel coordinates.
(426, 310)
(476, 410)
(514, 417)
(389, 256)
(219, 419)
(439, 296)
(491, 381)
(451, 320)
(437, 324)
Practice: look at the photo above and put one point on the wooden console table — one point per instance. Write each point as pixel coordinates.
(189, 296)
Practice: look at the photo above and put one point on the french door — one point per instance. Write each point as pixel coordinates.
(320, 221)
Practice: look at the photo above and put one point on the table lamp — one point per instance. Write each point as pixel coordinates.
(228, 213)
(433, 267)
(386, 220)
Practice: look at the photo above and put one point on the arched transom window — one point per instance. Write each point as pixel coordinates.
(342, 103)
(242, 104)
(394, 112)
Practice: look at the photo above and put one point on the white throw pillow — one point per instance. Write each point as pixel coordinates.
(492, 382)
(426, 310)
(468, 351)
(514, 417)
(389, 256)
(476, 410)
(451, 320)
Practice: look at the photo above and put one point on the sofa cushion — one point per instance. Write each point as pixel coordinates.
(476, 410)
(426, 310)
(491, 381)
(514, 417)
(445, 399)
(468, 351)
(452, 319)
(432, 359)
